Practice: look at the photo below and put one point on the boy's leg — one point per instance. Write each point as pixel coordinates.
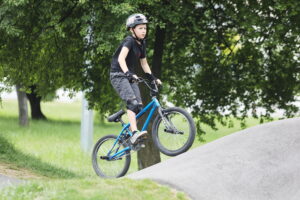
(122, 86)
(132, 120)
(137, 93)
(132, 108)
(131, 95)
(138, 98)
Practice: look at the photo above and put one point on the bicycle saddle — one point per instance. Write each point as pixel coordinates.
(116, 116)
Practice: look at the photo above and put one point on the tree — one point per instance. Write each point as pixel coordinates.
(219, 58)
(40, 48)
(35, 103)
(23, 110)
(237, 57)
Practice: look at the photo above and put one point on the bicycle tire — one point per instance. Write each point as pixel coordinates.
(158, 135)
(97, 166)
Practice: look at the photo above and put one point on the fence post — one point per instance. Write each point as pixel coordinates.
(86, 126)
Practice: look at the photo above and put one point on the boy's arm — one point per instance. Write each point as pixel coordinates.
(147, 69)
(145, 66)
(121, 59)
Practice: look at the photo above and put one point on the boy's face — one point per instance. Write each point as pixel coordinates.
(140, 31)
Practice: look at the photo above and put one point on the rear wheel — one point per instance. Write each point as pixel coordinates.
(109, 168)
(174, 133)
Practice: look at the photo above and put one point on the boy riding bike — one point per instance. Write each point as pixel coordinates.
(129, 55)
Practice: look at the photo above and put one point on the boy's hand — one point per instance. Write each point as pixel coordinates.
(158, 82)
(131, 77)
(135, 77)
(151, 78)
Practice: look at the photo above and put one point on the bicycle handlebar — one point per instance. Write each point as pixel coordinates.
(154, 90)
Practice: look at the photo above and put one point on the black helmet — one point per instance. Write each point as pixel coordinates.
(135, 19)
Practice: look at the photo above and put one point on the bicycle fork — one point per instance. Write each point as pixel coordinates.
(170, 128)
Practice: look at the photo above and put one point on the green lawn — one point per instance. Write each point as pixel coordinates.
(92, 189)
(52, 148)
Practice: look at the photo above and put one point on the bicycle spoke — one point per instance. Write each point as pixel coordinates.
(110, 167)
(176, 123)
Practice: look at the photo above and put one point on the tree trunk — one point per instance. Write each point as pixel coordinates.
(35, 104)
(158, 51)
(150, 154)
(23, 108)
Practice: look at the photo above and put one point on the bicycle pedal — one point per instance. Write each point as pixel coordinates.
(104, 157)
(145, 136)
(141, 140)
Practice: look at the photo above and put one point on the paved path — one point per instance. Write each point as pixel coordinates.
(258, 163)
(8, 181)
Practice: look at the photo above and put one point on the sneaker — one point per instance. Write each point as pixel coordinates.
(137, 135)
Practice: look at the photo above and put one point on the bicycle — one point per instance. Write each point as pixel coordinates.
(111, 154)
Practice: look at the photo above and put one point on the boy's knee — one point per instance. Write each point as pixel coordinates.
(134, 106)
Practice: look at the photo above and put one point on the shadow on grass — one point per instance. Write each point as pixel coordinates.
(9, 154)
(50, 121)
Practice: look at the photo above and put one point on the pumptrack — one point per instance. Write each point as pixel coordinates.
(261, 162)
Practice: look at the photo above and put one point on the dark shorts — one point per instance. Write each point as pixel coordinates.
(126, 90)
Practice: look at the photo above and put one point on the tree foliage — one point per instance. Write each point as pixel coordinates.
(220, 58)
(41, 45)
(238, 56)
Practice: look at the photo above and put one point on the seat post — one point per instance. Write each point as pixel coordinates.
(122, 122)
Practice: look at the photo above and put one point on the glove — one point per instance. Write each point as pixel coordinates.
(150, 77)
(130, 77)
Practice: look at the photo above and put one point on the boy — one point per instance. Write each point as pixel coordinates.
(122, 74)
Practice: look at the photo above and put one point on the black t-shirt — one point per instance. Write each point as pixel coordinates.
(136, 52)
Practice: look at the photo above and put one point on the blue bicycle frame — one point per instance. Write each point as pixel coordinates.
(153, 105)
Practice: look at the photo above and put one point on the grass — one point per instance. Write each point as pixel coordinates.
(56, 141)
(52, 149)
(92, 189)
(8, 154)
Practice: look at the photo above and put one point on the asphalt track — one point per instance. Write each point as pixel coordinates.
(258, 163)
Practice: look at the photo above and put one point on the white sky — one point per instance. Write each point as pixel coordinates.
(63, 96)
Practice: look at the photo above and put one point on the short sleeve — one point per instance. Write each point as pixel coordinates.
(128, 42)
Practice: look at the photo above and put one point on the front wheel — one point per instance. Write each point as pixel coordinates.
(110, 168)
(174, 132)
